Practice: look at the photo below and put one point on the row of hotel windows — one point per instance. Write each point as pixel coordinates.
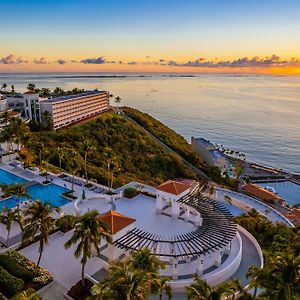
(74, 116)
(65, 123)
(74, 112)
(80, 106)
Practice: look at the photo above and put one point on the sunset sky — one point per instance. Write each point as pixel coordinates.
(169, 36)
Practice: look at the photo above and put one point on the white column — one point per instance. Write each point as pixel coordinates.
(200, 265)
(199, 219)
(159, 204)
(187, 214)
(174, 269)
(227, 248)
(175, 209)
(111, 252)
(218, 258)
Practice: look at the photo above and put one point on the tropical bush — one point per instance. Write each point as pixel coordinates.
(14, 268)
(10, 284)
(66, 223)
(138, 156)
(41, 276)
(130, 192)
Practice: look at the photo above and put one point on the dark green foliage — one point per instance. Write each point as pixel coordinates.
(139, 156)
(66, 223)
(177, 143)
(130, 192)
(15, 269)
(9, 284)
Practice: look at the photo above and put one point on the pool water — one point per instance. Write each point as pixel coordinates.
(50, 193)
(9, 178)
(234, 210)
(287, 190)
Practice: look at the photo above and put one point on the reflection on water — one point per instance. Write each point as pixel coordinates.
(258, 115)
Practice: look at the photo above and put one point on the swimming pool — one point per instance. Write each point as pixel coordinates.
(287, 190)
(50, 193)
(9, 178)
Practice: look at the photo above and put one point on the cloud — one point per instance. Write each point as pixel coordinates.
(12, 59)
(255, 61)
(97, 61)
(41, 61)
(61, 61)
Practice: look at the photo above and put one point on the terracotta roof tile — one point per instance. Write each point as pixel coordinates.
(173, 187)
(261, 193)
(116, 221)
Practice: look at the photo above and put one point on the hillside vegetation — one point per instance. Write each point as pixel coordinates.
(131, 154)
(175, 142)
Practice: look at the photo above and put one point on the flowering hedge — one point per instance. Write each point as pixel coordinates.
(41, 276)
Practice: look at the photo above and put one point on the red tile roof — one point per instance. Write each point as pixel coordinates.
(30, 92)
(116, 221)
(261, 193)
(173, 187)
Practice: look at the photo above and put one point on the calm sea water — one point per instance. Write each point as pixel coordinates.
(258, 115)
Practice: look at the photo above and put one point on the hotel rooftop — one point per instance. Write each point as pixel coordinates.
(73, 96)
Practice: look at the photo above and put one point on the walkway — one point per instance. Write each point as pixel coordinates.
(261, 207)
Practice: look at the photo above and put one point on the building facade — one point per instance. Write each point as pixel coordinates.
(64, 110)
(212, 156)
(67, 110)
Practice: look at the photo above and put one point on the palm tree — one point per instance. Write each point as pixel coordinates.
(89, 230)
(5, 117)
(109, 157)
(61, 153)
(31, 87)
(39, 220)
(47, 120)
(285, 277)
(45, 92)
(9, 216)
(201, 290)
(4, 86)
(228, 199)
(235, 287)
(162, 286)
(143, 260)
(20, 191)
(118, 100)
(19, 130)
(12, 89)
(115, 169)
(86, 147)
(124, 282)
(258, 278)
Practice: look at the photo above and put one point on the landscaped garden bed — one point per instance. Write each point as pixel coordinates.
(17, 273)
(69, 195)
(80, 292)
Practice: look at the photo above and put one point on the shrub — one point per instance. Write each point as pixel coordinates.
(79, 292)
(10, 284)
(14, 268)
(41, 276)
(130, 192)
(66, 223)
(2, 297)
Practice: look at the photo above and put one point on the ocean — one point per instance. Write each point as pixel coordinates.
(255, 114)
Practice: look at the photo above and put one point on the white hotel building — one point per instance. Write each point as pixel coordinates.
(64, 110)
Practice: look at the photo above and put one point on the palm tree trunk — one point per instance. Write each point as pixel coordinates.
(59, 162)
(40, 256)
(255, 292)
(85, 169)
(7, 238)
(82, 275)
(108, 172)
